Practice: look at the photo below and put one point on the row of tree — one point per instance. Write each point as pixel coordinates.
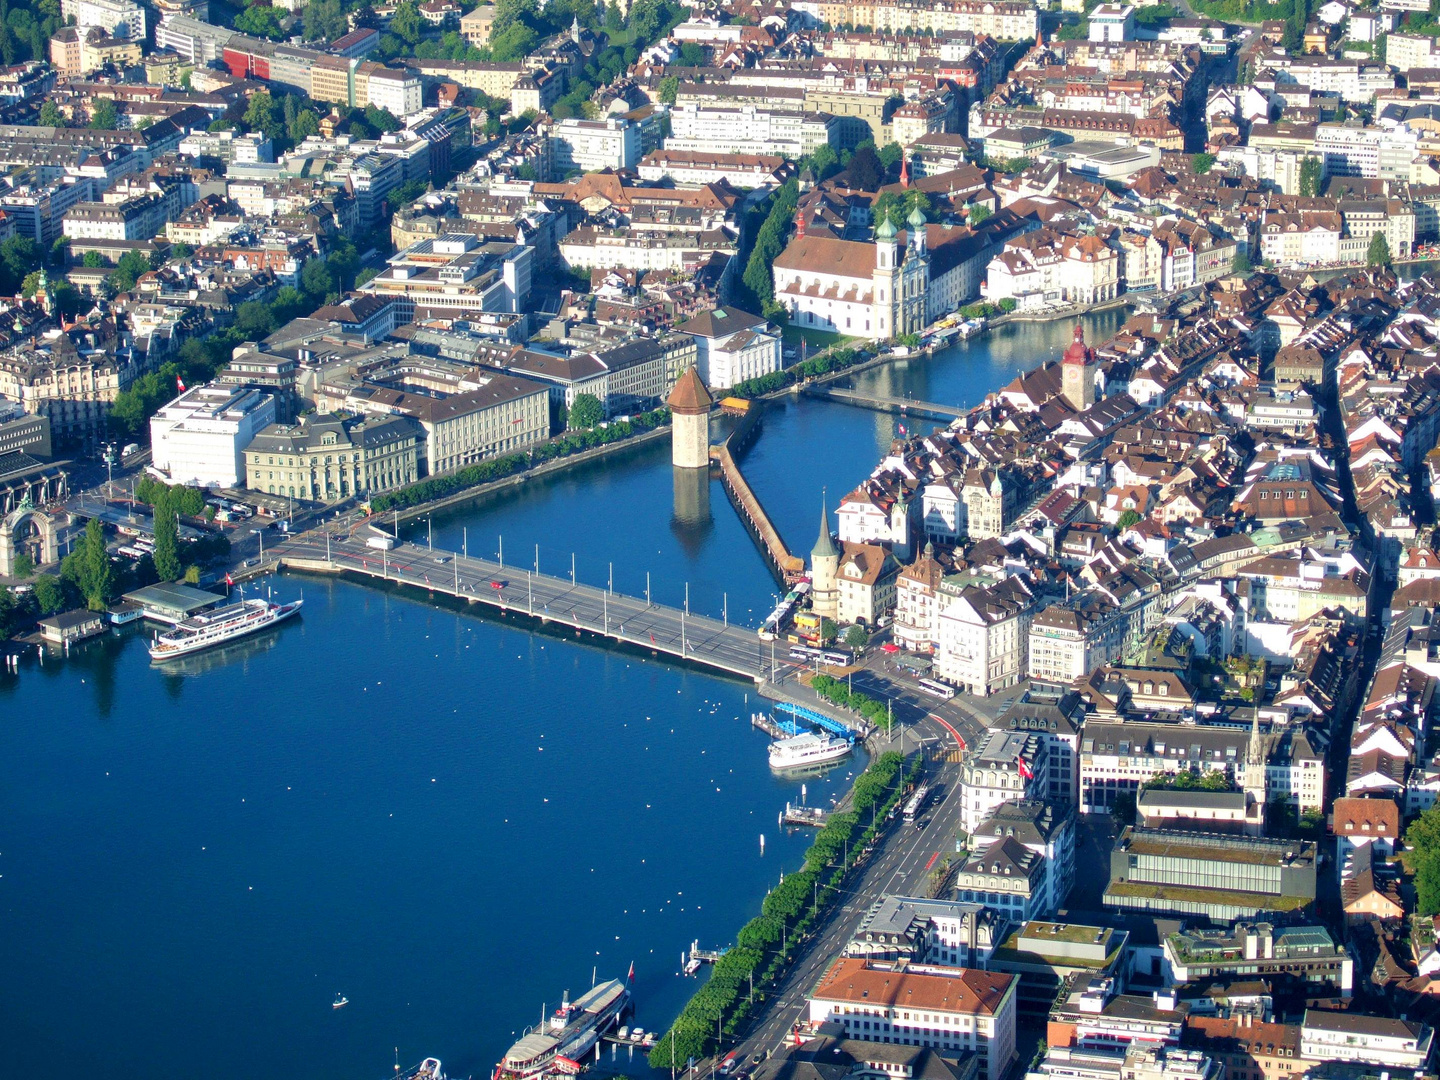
(790, 911)
(438, 487)
(758, 279)
(829, 361)
(838, 692)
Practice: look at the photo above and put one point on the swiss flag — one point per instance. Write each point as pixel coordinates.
(229, 580)
(1024, 769)
(179, 384)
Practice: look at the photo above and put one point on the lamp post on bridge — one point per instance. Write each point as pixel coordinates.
(502, 551)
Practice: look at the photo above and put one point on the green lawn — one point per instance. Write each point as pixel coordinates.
(817, 339)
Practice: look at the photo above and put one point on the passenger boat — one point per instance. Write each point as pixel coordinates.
(558, 1046)
(219, 626)
(807, 749)
(429, 1069)
(340, 1001)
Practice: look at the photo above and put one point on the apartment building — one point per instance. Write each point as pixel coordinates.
(926, 931)
(982, 635)
(117, 18)
(1373, 1040)
(395, 90)
(1004, 766)
(593, 145)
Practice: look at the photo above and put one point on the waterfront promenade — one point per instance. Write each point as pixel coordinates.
(709, 642)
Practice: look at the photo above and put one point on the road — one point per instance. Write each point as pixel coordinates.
(704, 640)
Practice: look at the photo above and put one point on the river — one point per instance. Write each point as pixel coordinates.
(446, 818)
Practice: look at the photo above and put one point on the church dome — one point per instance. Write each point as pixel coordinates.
(916, 220)
(886, 230)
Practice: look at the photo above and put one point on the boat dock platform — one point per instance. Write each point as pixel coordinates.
(706, 956)
(776, 729)
(803, 815)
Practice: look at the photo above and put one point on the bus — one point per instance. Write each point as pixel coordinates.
(935, 689)
(916, 803)
(833, 657)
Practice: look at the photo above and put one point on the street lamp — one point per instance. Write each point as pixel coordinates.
(261, 534)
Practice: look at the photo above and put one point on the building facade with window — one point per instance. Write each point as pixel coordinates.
(944, 1008)
(326, 458)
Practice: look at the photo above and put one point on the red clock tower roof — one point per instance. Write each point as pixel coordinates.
(1079, 352)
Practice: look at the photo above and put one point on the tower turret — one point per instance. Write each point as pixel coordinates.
(690, 422)
(1077, 372)
(824, 568)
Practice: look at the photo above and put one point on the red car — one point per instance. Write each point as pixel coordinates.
(497, 585)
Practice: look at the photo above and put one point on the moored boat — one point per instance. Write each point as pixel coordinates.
(220, 625)
(556, 1047)
(809, 748)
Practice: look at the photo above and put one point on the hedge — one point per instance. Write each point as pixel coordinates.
(725, 999)
(574, 442)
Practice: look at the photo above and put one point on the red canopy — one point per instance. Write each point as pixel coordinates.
(890, 648)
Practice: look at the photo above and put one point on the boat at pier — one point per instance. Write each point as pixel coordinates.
(558, 1046)
(429, 1069)
(223, 624)
(809, 748)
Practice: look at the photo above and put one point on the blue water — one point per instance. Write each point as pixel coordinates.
(192, 866)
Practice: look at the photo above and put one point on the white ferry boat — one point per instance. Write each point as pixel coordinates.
(220, 625)
(807, 749)
(560, 1045)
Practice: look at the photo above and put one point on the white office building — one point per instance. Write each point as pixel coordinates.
(397, 91)
(592, 145)
(118, 18)
(200, 438)
(725, 128)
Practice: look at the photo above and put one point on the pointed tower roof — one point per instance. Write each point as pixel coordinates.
(886, 229)
(690, 396)
(916, 220)
(904, 171)
(825, 546)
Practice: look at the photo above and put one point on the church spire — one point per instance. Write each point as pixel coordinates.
(825, 545)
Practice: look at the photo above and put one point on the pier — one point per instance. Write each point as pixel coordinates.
(928, 410)
(787, 568)
(634, 620)
(812, 816)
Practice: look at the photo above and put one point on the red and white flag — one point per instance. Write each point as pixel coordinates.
(631, 976)
(229, 580)
(1024, 769)
(179, 384)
